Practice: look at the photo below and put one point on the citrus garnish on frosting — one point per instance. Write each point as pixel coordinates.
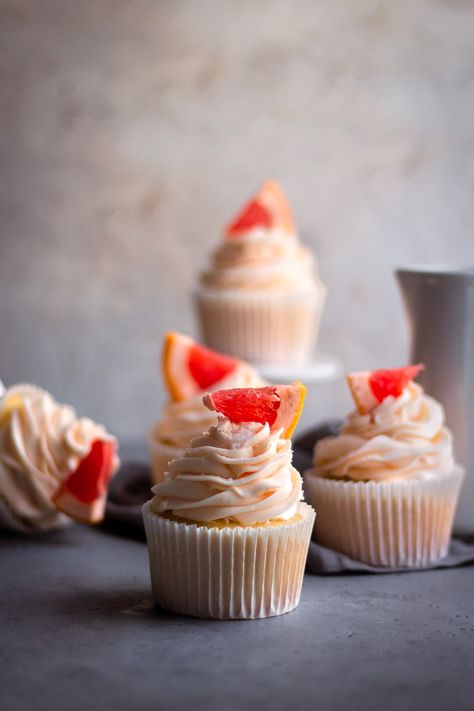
(261, 249)
(401, 437)
(240, 470)
(279, 406)
(369, 388)
(189, 370)
(51, 462)
(267, 210)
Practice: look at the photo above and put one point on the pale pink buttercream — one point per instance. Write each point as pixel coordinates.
(262, 260)
(239, 473)
(41, 444)
(401, 438)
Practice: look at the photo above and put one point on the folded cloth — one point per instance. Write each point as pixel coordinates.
(131, 488)
(325, 561)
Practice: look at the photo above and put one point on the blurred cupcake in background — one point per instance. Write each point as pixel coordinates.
(261, 299)
(189, 371)
(54, 466)
(226, 529)
(386, 487)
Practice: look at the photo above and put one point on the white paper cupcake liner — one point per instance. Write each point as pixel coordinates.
(263, 327)
(160, 456)
(227, 573)
(393, 523)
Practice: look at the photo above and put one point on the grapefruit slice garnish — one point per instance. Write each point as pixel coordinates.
(83, 494)
(190, 369)
(279, 406)
(370, 388)
(267, 209)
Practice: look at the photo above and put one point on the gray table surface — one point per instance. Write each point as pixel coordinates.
(78, 631)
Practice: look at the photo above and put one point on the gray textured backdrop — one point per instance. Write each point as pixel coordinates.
(130, 131)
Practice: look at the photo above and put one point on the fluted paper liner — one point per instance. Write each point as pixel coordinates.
(386, 523)
(262, 327)
(160, 456)
(242, 572)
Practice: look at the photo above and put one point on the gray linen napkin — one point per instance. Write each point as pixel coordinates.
(324, 561)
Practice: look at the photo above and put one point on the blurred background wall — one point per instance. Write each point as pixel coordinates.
(131, 131)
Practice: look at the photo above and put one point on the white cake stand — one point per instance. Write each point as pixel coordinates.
(322, 368)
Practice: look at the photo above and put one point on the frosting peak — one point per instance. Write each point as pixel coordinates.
(239, 473)
(403, 437)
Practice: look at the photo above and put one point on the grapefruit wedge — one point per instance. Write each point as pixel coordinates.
(267, 209)
(279, 406)
(190, 369)
(83, 494)
(370, 388)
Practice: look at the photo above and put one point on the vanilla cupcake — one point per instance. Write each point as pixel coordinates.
(386, 488)
(189, 371)
(227, 531)
(53, 466)
(261, 299)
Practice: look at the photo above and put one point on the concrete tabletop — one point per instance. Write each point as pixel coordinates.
(78, 631)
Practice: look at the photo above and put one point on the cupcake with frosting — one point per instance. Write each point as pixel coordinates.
(261, 299)
(54, 467)
(386, 487)
(189, 371)
(227, 531)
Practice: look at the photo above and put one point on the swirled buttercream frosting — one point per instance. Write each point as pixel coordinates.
(41, 444)
(182, 421)
(260, 260)
(237, 473)
(402, 438)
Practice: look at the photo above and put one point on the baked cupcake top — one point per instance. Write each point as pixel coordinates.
(240, 470)
(51, 462)
(261, 250)
(190, 370)
(397, 432)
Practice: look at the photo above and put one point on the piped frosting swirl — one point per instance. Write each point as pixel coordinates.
(239, 473)
(41, 444)
(401, 438)
(259, 260)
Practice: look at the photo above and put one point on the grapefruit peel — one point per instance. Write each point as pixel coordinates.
(370, 388)
(279, 406)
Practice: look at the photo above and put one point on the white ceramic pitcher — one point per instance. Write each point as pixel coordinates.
(440, 307)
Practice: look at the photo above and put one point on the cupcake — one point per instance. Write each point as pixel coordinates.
(386, 487)
(189, 371)
(53, 466)
(261, 299)
(227, 531)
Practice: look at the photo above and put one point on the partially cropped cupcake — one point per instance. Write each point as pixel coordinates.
(261, 299)
(386, 488)
(189, 371)
(54, 467)
(227, 531)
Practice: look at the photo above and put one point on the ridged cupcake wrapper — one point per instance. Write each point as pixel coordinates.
(394, 524)
(264, 327)
(160, 456)
(227, 573)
